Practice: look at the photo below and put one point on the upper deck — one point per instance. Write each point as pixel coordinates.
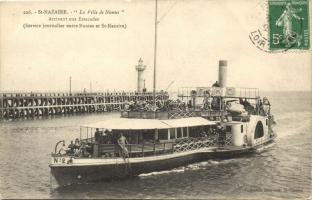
(225, 92)
(210, 102)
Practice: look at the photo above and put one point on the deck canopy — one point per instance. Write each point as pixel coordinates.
(188, 122)
(145, 124)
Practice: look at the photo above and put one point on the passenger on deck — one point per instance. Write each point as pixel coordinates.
(248, 107)
(245, 104)
(131, 106)
(83, 150)
(109, 138)
(127, 106)
(104, 137)
(63, 149)
(215, 104)
(209, 101)
(203, 134)
(71, 148)
(205, 104)
(223, 105)
(241, 101)
(123, 151)
(260, 107)
(159, 104)
(266, 106)
(189, 104)
(97, 136)
(221, 135)
(76, 146)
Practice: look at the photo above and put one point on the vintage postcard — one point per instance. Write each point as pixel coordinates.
(155, 99)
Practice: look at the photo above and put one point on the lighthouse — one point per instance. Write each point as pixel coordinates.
(140, 68)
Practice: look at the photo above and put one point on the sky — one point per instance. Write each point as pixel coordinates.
(193, 35)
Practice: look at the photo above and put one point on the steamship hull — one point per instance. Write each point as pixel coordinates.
(92, 170)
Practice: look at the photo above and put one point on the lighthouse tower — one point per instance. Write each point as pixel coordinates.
(140, 68)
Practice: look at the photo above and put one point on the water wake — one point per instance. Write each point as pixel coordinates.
(294, 123)
(190, 167)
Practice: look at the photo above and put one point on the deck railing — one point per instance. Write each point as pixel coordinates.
(172, 114)
(152, 149)
(136, 150)
(94, 150)
(144, 114)
(186, 93)
(213, 140)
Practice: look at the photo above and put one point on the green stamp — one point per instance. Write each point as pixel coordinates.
(289, 24)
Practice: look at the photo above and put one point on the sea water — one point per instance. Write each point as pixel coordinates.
(281, 170)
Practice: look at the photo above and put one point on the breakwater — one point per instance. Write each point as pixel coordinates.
(29, 105)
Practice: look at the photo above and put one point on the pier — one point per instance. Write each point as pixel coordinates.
(29, 105)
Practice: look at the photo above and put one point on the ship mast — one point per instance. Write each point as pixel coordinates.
(155, 55)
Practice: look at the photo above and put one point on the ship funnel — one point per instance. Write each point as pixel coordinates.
(222, 73)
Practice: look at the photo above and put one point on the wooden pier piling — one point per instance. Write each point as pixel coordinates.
(29, 105)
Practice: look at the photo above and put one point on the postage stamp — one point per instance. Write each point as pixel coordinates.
(289, 24)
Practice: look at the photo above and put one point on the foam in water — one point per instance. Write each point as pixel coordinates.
(293, 123)
(194, 166)
(261, 149)
(176, 170)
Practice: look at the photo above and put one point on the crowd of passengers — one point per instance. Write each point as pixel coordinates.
(209, 103)
(84, 149)
(77, 148)
(262, 107)
(147, 105)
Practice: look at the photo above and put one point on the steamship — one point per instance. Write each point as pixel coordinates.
(215, 122)
(204, 123)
